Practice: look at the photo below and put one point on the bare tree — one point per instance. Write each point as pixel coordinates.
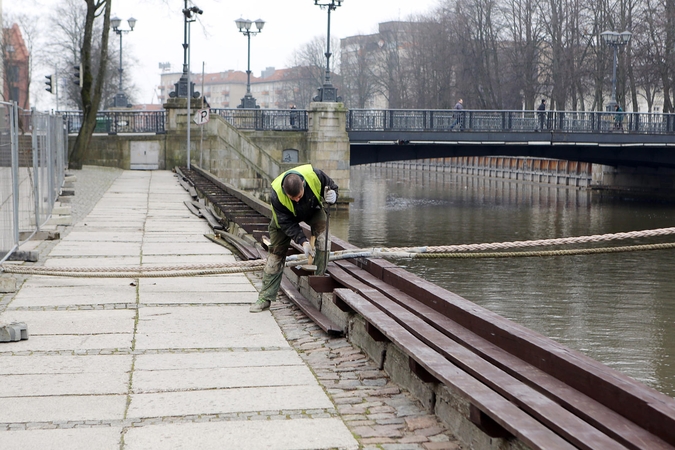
(91, 91)
(357, 69)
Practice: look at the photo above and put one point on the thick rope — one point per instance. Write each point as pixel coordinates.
(452, 251)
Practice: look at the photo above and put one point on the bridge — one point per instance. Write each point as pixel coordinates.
(629, 139)
(639, 147)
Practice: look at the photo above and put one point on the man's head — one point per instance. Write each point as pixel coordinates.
(293, 186)
(461, 101)
(543, 100)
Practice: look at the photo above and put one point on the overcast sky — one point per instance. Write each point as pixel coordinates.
(216, 41)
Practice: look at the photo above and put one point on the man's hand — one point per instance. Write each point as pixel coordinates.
(330, 196)
(307, 248)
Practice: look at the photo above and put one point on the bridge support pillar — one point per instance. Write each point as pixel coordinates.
(328, 142)
(644, 182)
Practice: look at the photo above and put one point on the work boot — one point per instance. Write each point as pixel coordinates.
(320, 260)
(259, 306)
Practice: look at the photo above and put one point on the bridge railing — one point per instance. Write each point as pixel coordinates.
(264, 119)
(114, 122)
(509, 121)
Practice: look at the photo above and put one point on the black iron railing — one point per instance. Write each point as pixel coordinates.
(265, 119)
(509, 121)
(114, 122)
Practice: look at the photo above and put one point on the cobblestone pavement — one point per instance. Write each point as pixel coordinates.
(380, 414)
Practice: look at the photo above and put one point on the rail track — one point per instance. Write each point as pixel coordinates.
(484, 375)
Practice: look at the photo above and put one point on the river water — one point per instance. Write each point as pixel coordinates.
(616, 308)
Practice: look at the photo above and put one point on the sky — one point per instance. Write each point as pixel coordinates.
(217, 42)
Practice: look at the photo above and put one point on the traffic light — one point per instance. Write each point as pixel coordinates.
(77, 75)
(49, 87)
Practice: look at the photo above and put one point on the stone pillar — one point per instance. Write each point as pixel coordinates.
(176, 146)
(328, 143)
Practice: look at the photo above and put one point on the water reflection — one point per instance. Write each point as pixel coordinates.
(616, 308)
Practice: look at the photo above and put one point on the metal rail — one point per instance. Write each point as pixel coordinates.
(264, 119)
(115, 122)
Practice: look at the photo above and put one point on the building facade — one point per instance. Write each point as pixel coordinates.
(15, 68)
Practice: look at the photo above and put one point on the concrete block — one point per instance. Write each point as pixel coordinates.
(71, 178)
(66, 193)
(7, 284)
(60, 220)
(13, 332)
(452, 408)
(358, 335)
(396, 365)
(339, 317)
(61, 210)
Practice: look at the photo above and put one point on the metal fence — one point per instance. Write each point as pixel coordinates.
(509, 121)
(264, 119)
(33, 156)
(114, 122)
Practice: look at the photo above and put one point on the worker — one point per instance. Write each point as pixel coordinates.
(297, 196)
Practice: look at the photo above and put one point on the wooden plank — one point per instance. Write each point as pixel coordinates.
(611, 423)
(648, 408)
(561, 421)
(503, 412)
(246, 251)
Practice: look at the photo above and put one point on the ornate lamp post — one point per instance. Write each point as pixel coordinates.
(120, 100)
(244, 26)
(616, 40)
(181, 88)
(328, 93)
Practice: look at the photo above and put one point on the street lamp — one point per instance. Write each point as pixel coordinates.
(616, 40)
(328, 93)
(181, 87)
(120, 100)
(244, 26)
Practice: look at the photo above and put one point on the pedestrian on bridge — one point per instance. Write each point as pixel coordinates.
(542, 113)
(618, 117)
(458, 115)
(297, 195)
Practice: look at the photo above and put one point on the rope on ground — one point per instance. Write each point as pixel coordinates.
(451, 251)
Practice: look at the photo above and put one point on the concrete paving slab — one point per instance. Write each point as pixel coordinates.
(217, 378)
(107, 228)
(162, 236)
(199, 226)
(75, 343)
(205, 247)
(62, 408)
(118, 261)
(71, 439)
(206, 327)
(195, 298)
(94, 322)
(165, 260)
(50, 281)
(214, 283)
(95, 236)
(63, 364)
(212, 360)
(104, 248)
(64, 375)
(296, 434)
(122, 292)
(223, 401)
